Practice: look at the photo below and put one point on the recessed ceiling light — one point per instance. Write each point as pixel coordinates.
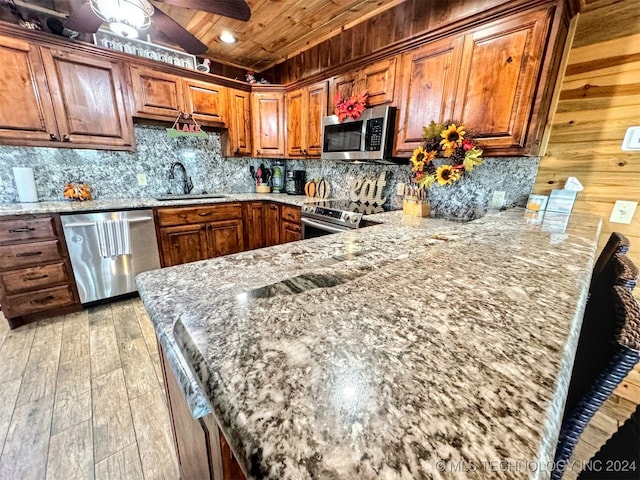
(227, 37)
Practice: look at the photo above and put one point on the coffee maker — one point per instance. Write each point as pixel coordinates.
(295, 182)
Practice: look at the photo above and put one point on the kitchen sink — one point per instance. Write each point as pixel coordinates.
(189, 196)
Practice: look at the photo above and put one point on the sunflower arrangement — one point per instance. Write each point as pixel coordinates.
(451, 141)
(352, 107)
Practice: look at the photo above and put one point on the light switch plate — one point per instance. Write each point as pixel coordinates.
(142, 179)
(497, 201)
(400, 189)
(631, 140)
(623, 211)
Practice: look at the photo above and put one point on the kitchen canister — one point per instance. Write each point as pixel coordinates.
(25, 184)
(278, 177)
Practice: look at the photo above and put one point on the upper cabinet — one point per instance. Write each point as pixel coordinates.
(267, 109)
(500, 73)
(238, 137)
(305, 109)
(156, 95)
(377, 79)
(427, 90)
(63, 99)
(162, 96)
(206, 101)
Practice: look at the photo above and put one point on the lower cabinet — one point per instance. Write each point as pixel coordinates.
(188, 234)
(290, 227)
(262, 224)
(203, 452)
(35, 272)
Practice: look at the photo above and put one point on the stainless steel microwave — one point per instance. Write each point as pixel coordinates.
(368, 138)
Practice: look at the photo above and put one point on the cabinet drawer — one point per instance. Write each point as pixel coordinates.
(290, 214)
(32, 302)
(17, 256)
(18, 230)
(209, 213)
(34, 278)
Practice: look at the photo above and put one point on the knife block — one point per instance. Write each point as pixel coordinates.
(263, 188)
(416, 208)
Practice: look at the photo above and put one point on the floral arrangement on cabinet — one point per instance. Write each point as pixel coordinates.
(351, 107)
(451, 141)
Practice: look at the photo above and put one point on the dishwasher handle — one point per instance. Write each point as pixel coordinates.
(91, 224)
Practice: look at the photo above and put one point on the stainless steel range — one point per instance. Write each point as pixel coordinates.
(335, 216)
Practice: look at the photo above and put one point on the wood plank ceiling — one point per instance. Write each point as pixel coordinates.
(277, 30)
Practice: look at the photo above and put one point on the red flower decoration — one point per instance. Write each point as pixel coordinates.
(350, 108)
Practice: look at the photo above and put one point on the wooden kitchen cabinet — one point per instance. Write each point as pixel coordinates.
(291, 228)
(55, 97)
(206, 101)
(156, 95)
(377, 79)
(35, 272)
(305, 109)
(272, 224)
(238, 135)
(262, 224)
(267, 109)
(499, 75)
(427, 90)
(189, 234)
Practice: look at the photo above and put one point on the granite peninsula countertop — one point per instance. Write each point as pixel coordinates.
(67, 206)
(390, 352)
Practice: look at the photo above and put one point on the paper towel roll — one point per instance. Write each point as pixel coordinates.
(26, 184)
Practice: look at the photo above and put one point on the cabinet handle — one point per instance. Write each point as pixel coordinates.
(204, 214)
(53, 137)
(21, 230)
(273, 207)
(35, 277)
(237, 151)
(66, 138)
(258, 152)
(29, 254)
(46, 299)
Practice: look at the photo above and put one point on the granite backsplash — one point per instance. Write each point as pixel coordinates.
(113, 174)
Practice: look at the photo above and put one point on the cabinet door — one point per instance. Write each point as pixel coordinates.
(272, 224)
(183, 244)
(500, 71)
(88, 98)
(290, 232)
(26, 112)
(239, 134)
(316, 109)
(207, 102)
(268, 124)
(255, 225)
(225, 237)
(343, 85)
(156, 95)
(295, 127)
(378, 80)
(427, 90)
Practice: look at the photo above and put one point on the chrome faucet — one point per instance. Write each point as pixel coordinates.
(187, 184)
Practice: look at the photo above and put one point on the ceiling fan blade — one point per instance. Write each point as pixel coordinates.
(170, 30)
(83, 19)
(237, 9)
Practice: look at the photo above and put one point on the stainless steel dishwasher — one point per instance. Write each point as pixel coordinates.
(108, 249)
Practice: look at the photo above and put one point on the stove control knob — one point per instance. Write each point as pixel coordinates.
(353, 219)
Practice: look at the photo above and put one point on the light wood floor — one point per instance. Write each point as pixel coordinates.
(81, 397)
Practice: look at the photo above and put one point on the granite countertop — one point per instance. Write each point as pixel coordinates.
(68, 206)
(384, 352)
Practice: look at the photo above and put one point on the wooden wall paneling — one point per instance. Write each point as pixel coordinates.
(346, 45)
(597, 102)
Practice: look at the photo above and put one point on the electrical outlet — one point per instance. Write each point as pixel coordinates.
(142, 179)
(623, 211)
(400, 189)
(497, 201)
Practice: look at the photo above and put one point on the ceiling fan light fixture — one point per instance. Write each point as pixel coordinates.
(125, 17)
(227, 37)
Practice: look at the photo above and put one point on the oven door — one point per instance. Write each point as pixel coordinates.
(312, 228)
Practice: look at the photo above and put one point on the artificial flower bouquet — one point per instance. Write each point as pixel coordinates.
(352, 107)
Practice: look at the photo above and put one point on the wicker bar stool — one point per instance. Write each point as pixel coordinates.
(617, 243)
(624, 355)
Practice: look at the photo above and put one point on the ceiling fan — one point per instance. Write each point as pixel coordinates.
(126, 17)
